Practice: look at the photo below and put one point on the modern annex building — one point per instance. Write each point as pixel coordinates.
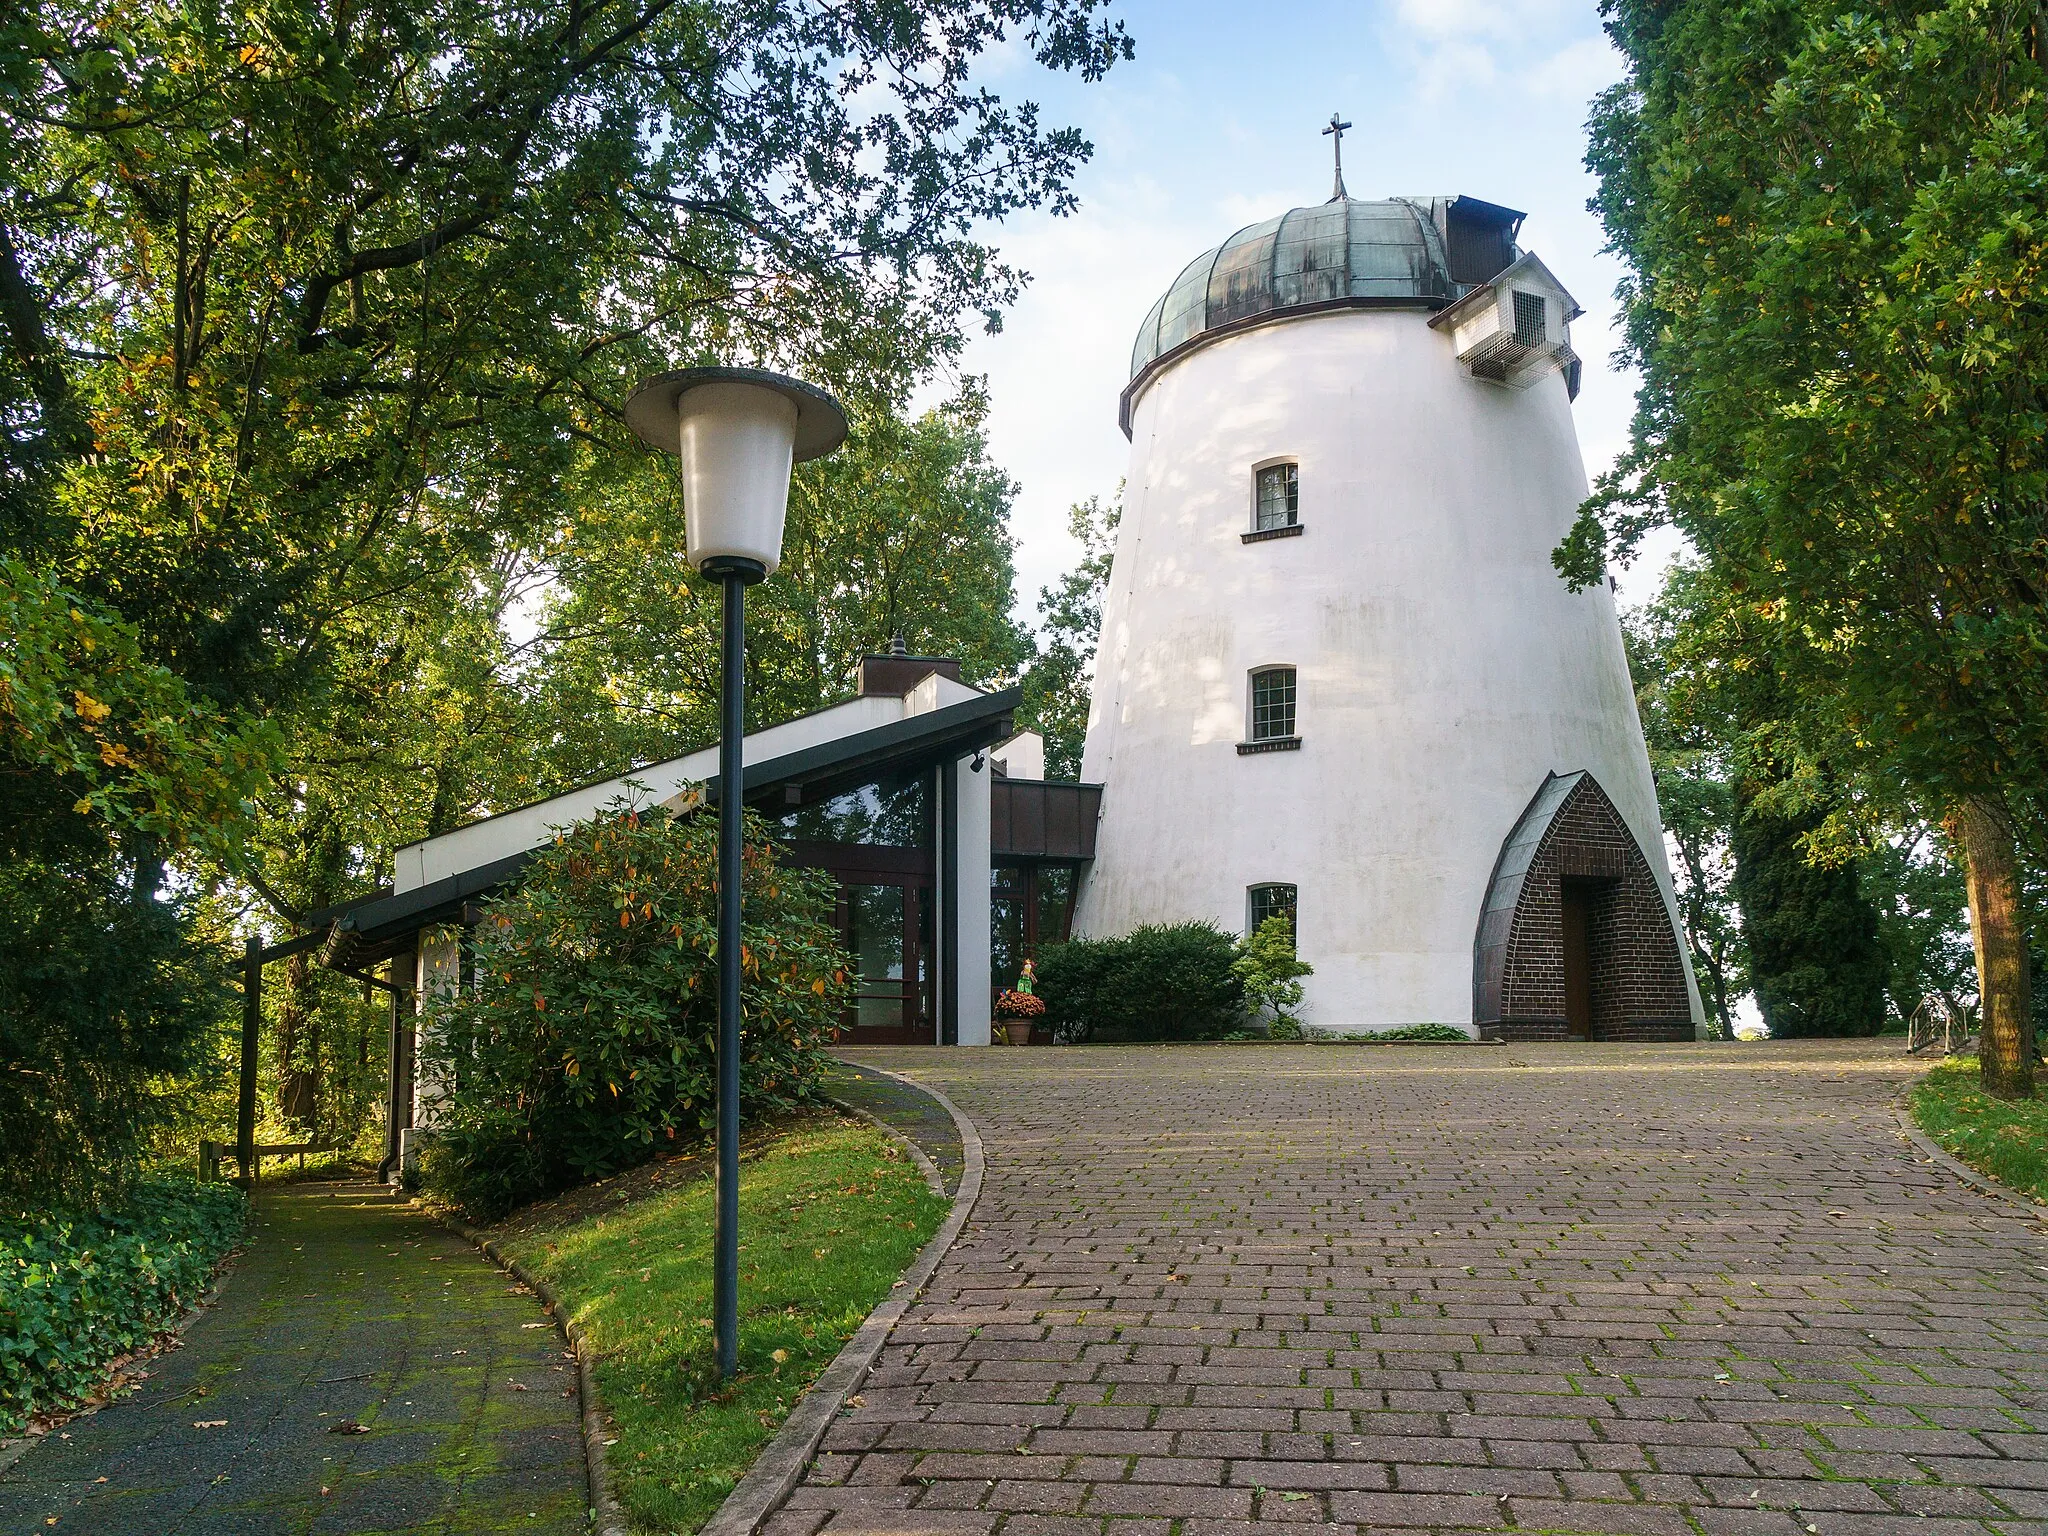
(1338, 674)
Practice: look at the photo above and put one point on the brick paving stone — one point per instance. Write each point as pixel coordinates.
(1687, 1290)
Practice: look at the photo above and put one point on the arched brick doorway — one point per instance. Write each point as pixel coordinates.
(1574, 939)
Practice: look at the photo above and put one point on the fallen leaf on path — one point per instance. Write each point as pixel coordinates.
(348, 1427)
(209, 1423)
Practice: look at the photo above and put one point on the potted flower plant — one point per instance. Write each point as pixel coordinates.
(1017, 1010)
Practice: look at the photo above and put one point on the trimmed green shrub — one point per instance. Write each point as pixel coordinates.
(1172, 981)
(1271, 973)
(78, 1291)
(1447, 1032)
(589, 1041)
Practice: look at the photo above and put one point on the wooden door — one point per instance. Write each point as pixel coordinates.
(1578, 960)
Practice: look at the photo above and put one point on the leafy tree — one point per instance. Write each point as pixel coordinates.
(317, 325)
(904, 531)
(1814, 958)
(1836, 220)
(589, 1041)
(1916, 890)
(1691, 748)
(1271, 973)
(111, 766)
(1056, 688)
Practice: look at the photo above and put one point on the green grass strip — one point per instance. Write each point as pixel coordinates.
(2005, 1139)
(831, 1213)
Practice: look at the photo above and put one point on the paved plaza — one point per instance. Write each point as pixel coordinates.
(1638, 1289)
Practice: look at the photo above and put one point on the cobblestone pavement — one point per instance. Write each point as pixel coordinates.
(349, 1307)
(1639, 1289)
(917, 1115)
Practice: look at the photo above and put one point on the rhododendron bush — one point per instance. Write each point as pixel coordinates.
(586, 1041)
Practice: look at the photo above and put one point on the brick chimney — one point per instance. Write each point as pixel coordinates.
(896, 671)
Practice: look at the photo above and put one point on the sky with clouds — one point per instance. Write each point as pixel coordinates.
(1217, 124)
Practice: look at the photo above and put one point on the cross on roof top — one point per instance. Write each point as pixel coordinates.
(1335, 133)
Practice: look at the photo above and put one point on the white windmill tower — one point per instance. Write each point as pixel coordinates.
(1337, 670)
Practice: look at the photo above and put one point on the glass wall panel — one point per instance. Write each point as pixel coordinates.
(876, 936)
(1008, 924)
(888, 815)
(1055, 902)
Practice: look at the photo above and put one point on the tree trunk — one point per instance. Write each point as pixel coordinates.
(1981, 826)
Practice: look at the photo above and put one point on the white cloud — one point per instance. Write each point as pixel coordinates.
(1524, 45)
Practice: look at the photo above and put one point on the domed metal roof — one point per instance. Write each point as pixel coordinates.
(1403, 252)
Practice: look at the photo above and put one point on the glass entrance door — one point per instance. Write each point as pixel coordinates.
(887, 929)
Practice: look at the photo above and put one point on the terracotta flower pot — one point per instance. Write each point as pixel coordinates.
(1017, 1031)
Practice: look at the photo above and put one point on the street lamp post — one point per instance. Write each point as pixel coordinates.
(737, 431)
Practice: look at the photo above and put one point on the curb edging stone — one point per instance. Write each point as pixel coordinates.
(779, 1467)
(610, 1520)
(1934, 1152)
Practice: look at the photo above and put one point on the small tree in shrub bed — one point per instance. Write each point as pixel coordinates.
(589, 1041)
(78, 1291)
(1170, 981)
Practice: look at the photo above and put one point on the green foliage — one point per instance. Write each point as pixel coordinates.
(1814, 956)
(77, 1291)
(904, 531)
(111, 765)
(589, 1041)
(85, 715)
(1717, 732)
(1695, 745)
(1836, 227)
(831, 1213)
(1916, 890)
(103, 1006)
(1167, 981)
(1444, 1032)
(2003, 1138)
(1056, 688)
(1270, 972)
(316, 332)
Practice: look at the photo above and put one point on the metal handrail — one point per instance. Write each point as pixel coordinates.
(1939, 1018)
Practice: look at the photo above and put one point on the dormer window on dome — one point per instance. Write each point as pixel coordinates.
(1516, 328)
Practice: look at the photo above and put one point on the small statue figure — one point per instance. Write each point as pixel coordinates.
(1027, 983)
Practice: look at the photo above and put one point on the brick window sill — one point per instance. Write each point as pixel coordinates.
(1260, 535)
(1275, 744)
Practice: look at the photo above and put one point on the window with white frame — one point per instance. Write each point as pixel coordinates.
(1264, 901)
(1277, 502)
(1272, 704)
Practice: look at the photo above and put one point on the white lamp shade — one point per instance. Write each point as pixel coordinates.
(737, 432)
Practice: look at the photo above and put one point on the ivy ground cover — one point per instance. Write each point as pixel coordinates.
(2004, 1138)
(78, 1290)
(831, 1213)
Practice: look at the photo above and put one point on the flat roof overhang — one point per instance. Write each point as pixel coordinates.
(375, 928)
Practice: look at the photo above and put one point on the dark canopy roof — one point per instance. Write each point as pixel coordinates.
(373, 928)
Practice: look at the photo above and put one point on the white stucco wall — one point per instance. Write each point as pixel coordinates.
(973, 794)
(439, 976)
(1443, 666)
(531, 826)
(1022, 756)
